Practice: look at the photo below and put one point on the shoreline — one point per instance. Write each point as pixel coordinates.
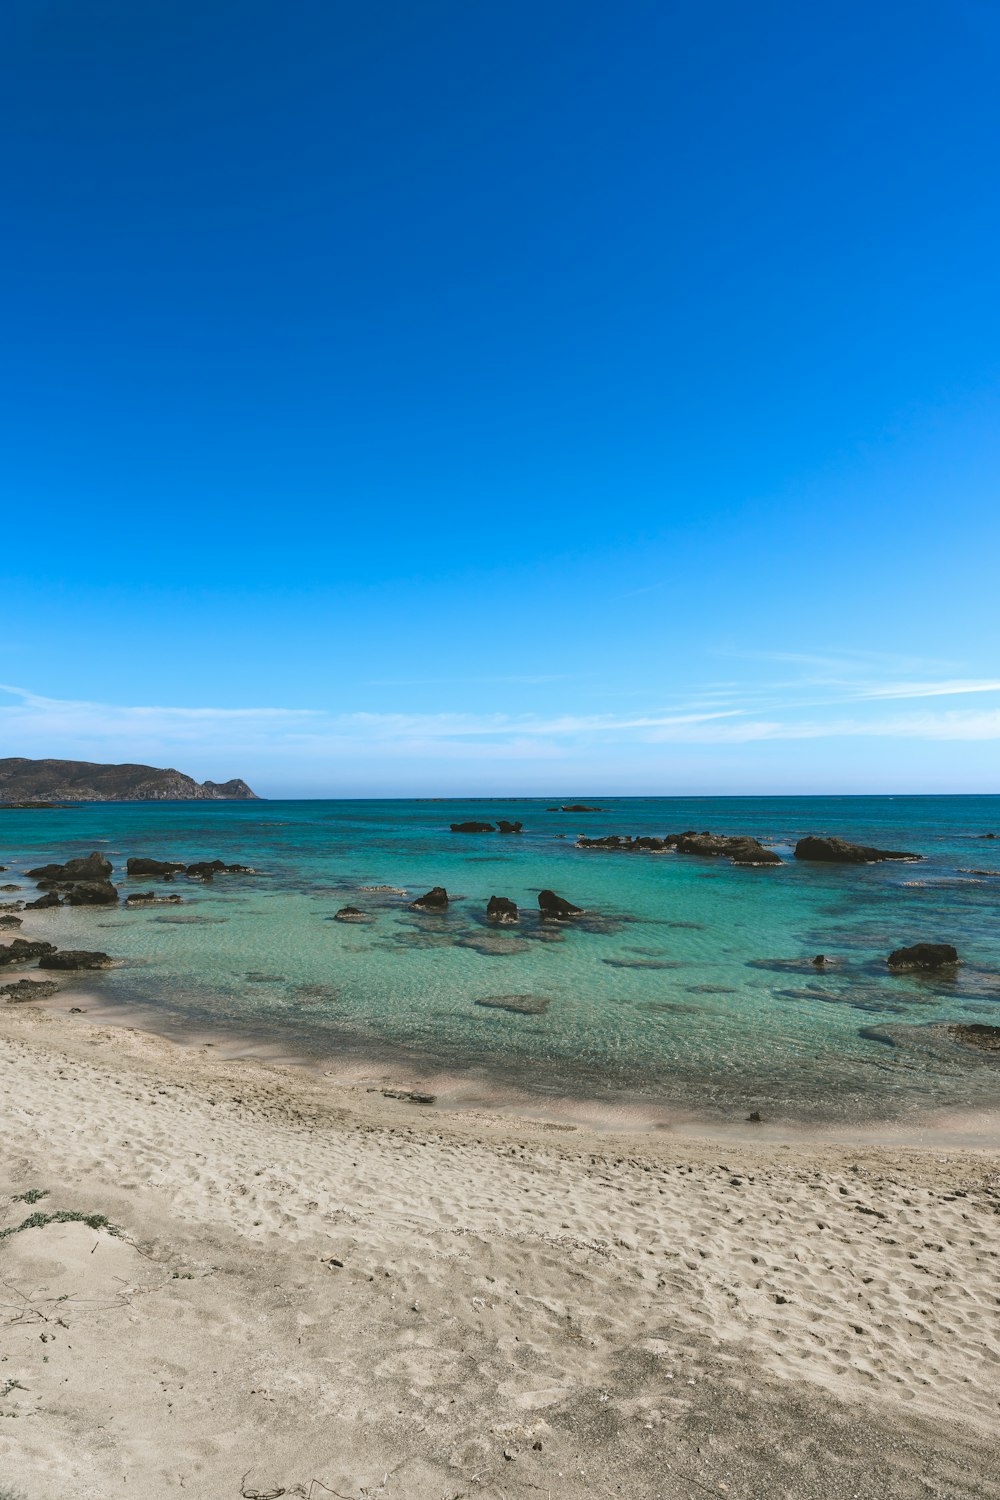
(457, 1091)
(409, 1302)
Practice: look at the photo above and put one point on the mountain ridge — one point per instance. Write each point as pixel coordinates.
(23, 780)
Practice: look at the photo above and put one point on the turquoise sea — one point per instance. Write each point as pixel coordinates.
(688, 985)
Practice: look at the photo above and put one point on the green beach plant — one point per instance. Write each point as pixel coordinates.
(63, 1216)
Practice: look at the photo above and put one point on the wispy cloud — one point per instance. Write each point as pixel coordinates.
(213, 740)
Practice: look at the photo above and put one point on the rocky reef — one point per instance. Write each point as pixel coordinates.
(740, 848)
(838, 851)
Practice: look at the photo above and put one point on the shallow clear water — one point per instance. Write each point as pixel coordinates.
(663, 994)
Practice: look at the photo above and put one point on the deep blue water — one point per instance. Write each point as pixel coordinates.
(660, 995)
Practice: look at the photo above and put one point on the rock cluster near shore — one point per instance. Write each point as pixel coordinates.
(80, 882)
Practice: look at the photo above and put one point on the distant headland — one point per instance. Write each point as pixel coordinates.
(37, 781)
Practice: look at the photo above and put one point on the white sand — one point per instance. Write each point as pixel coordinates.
(662, 1317)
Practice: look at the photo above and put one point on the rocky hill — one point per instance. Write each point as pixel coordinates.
(80, 781)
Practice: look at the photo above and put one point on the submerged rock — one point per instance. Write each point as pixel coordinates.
(839, 852)
(8, 922)
(493, 944)
(75, 958)
(49, 899)
(160, 867)
(521, 1005)
(924, 956)
(501, 909)
(577, 807)
(472, 828)
(28, 989)
(23, 950)
(351, 914)
(555, 908)
(435, 899)
(640, 963)
(150, 898)
(974, 1034)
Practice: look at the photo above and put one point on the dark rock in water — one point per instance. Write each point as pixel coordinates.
(739, 847)
(155, 867)
(409, 1096)
(754, 1117)
(472, 828)
(7, 922)
(501, 909)
(150, 898)
(49, 899)
(93, 867)
(839, 852)
(987, 835)
(23, 950)
(555, 908)
(75, 958)
(256, 977)
(503, 826)
(819, 961)
(923, 956)
(552, 809)
(579, 807)
(521, 1005)
(207, 869)
(91, 893)
(27, 806)
(435, 899)
(624, 843)
(9, 887)
(983, 1038)
(28, 989)
(351, 914)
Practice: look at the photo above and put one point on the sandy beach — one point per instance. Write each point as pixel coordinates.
(306, 1288)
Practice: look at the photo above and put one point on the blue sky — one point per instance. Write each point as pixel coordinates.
(503, 398)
